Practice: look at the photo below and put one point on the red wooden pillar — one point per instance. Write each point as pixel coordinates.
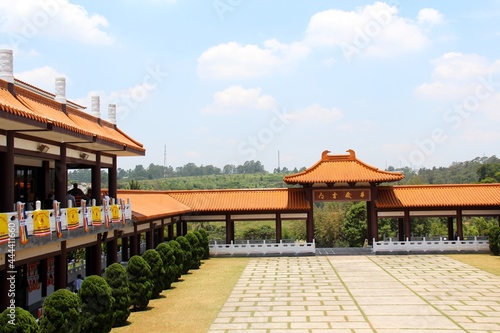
(61, 268)
(278, 228)
(161, 233)
(112, 249)
(96, 180)
(125, 248)
(407, 227)
(61, 177)
(149, 236)
(460, 231)
(450, 228)
(170, 229)
(134, 246)
(7, 199)
(310, 216)
(401, 232)
(229, 229)
(4, 288)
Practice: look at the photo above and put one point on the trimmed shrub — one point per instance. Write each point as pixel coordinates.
(171, 269)
(97, 305)
(188, 253)
(139, 279)
(196, 250)
(179, 257)
(155, 262)
(205, 242)
(61, 312)
(116, 277)
(18, 320)
(494, 240)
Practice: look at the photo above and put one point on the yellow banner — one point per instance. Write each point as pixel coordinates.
(73, 218)
(115, 213)
(41, 222)
(4, 228)
(96, 216)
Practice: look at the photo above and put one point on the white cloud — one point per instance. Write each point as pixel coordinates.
(372, 30)
(235, 61)
(430, 16)
(42, 77)
(457, 75)
(315, 113)
(236, 99)
(24, 20)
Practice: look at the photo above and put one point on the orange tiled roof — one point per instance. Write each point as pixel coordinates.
(152, 204)
(438, 196)
(37, 106)
(342, 169)
(243, 200)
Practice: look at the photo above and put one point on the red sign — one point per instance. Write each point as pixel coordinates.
(343, 194)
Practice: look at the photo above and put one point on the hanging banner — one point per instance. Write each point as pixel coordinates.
(50, 272)
(96, 216)
(33, 277)
(57, 213)
(105, 208)
(115, 213)
(85, 216)
(23, 228)
(73, 218)
(4, 228)
(41, 223)
(122, 208)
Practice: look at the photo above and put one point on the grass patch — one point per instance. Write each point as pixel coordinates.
(485, 262)
(193, 303)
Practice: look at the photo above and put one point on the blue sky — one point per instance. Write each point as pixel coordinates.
(408, 83)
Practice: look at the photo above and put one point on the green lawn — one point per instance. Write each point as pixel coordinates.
(486, 262)
(193, 303)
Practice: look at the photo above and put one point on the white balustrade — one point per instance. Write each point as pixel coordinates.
(249, 248)
(429, 245)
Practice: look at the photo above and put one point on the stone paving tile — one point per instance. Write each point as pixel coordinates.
(410, 294)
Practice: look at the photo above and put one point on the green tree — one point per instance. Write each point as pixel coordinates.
(116, 276)
(494, 240)
(18, 320)
(188, 253)
(155, 262)
(172, 271)
(327, 224)
(196, 250)
(97, 305)
(205, 243)
(140, 284)
(354, 228)
(179, 257)
(61, 313)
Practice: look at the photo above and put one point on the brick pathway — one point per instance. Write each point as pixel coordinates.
(414, 293)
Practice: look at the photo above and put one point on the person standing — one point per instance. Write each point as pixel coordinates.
(78, 283)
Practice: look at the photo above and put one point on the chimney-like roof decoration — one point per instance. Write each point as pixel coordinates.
(333, 169)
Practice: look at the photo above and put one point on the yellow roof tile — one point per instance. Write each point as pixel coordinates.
(148, 205)
(342, 169)
(462, 195)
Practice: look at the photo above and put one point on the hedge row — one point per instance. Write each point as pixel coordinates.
(106, 302)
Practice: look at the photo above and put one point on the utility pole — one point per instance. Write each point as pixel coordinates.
(165, 162)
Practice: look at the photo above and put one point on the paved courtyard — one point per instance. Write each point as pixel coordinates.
(414, 293)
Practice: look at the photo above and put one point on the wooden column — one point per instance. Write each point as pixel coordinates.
(149, 236)
(161, 233)
(229, 229)
(7, 199)
(278, 228)
(61, 177)
(310, 216)
(460, 231)
(407, 227)
(112, 249)
(61, 268)
(96, 180)
(170, 231)
(134, 246)
(184, 228)
(449, 224)
(401, 231)
(42, 273)
(125, 248)
(113, 179)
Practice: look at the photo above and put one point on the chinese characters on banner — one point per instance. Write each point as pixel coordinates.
(344, 194)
